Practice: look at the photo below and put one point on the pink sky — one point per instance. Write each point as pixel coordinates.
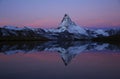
(47, 13)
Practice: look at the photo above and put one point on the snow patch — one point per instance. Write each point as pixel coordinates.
(100, 31)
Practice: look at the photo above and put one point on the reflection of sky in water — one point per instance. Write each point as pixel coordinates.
(47, 63)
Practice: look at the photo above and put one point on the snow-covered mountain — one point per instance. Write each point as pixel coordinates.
(67, 30)
(76, 32)
(68, 25)
(25, 33)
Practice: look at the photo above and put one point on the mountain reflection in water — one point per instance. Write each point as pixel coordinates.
(67, 50)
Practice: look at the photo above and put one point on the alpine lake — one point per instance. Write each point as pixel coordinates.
(59, 60)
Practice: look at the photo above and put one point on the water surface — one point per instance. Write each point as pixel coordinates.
(59, 60)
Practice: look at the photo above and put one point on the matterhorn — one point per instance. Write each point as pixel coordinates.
(66, 30)
(70, 26)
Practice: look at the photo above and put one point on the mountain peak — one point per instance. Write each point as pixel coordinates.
(66, 17)
(70, 26)
(66, 21)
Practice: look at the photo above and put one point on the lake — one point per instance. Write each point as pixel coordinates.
(59, 60)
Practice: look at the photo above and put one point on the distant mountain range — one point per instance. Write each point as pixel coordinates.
(67, 30)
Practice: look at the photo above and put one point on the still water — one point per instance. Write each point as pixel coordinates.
(59, 60)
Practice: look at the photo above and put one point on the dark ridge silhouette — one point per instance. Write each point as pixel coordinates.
(114, 39)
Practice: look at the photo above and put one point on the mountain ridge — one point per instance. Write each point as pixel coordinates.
(67, 30)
